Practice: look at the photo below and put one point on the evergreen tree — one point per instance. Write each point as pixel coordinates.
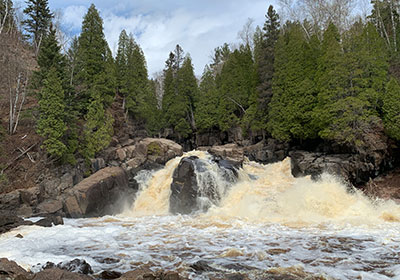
(137, 79)
(98, 129)
(293, 85)
(49, 59)
(38, 20)
(391, 109)
(92, 56)
(51, 123)
(257, 113)
(236, 84)
(207, 102)
(121, 62)
(95, 84)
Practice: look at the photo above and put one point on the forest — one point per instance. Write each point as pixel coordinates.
(328, 76)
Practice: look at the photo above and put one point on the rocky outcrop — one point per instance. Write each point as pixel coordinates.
(60, 274)
(230, 152)
(100, 194)
(353, 168)
(266, 152)
(150, 150)
(196, 188)
(10, 270)
(148, 274)
(9, 220)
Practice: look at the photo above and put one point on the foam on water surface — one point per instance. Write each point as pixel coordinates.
(267, 219)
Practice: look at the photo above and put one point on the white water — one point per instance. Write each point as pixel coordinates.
(268, 219)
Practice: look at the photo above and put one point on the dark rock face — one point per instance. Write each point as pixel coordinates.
(100, 194)
(195, 188)
(50, 221)
(60, 274)
(353, 168)
(267, 152)
(9, 220)
(184, 188)
(9, 270)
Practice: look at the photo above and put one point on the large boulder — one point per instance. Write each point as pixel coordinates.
(196, 186)
(103, 193)
(10, 270)
(230, 152)
(10, 201)
(9, 220)
(268, 151)
(353, 168)
(151, 150)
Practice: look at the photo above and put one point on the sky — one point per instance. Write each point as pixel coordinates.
(198, 26)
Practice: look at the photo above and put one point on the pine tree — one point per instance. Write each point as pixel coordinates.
(38, 20)
(121, 62)
(51, 123)
(391, 109)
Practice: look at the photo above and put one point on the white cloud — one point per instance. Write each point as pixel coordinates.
(198, 26)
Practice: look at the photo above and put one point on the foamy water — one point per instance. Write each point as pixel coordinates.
(267, 219)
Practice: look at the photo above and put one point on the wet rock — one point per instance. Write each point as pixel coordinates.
(170, 275)
(76, 265)
(100, 194)
(50, 221)
(25, 211)
(230, 152)
(184, 189)
(10, 270)
(60, 274)
(266, 152)
(121, 154)
(139, 274)
(202, 266)
(9, 220)
(110, 275)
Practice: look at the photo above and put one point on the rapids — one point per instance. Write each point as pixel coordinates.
(267, 219)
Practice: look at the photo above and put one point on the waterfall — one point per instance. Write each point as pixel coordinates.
(264, 193)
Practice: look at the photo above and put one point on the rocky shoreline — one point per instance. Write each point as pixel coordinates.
(81, 270)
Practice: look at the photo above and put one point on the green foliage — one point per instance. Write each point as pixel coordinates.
(38, 20)
(98, 128)
(51, 123)
(294, 88)
(180, 89)
(93, 59)
(236, 83)
(49, 59)
(153, 149)
(207, 100)
(391, 109)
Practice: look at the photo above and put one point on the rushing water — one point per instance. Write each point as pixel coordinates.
(267, 219)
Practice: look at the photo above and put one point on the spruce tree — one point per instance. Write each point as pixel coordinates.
(257, 114)
(391, 109)
(51, 123)
(50, 59)
(236, 83)
(207, 102)
(293, 85)
(92, 56)
(38, 20)
(121, 62)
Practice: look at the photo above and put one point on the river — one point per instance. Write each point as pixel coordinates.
(268, 219)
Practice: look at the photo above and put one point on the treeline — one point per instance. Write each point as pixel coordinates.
(294, 81)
